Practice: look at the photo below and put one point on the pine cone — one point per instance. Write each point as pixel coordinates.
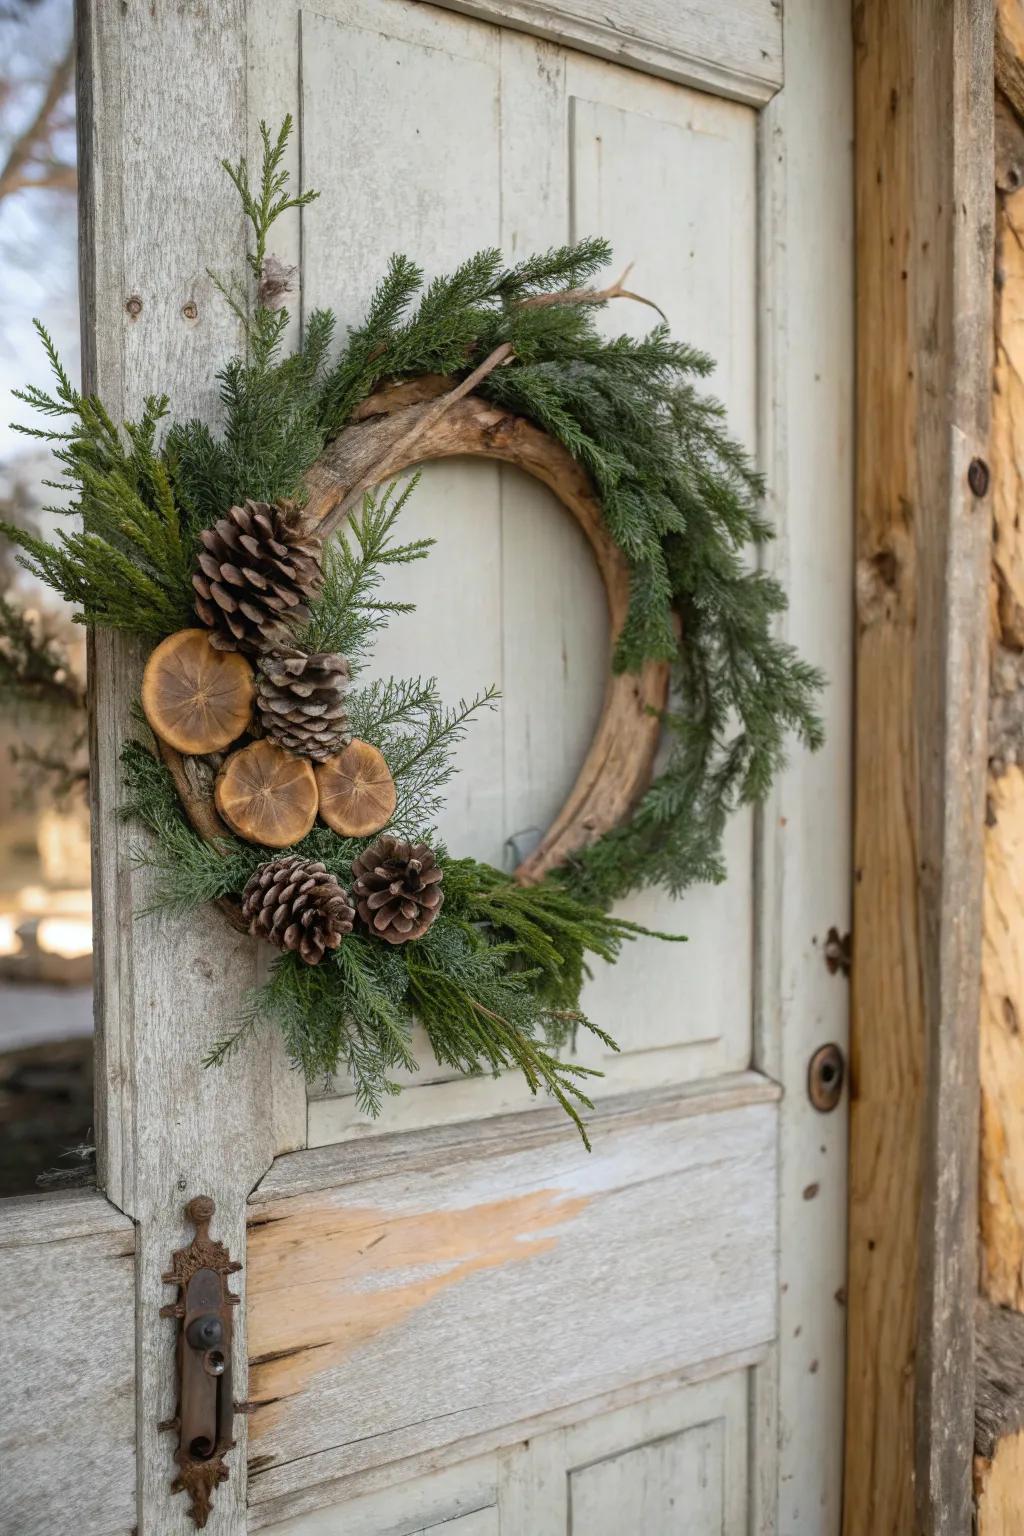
(297, 904)
(301, 702)
(397, 889)
(257, 568)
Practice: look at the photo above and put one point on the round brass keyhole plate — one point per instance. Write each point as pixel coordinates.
(825, 1076)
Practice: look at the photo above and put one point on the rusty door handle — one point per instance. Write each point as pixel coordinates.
(204, 1309)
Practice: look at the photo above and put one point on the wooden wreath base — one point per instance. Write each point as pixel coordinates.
(430, 418)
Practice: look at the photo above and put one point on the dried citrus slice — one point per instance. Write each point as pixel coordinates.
(196, 698)
(266, 795)
(357, 792)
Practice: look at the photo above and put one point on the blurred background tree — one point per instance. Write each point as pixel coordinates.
(45, 920)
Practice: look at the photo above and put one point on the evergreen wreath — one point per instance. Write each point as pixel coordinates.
(198, 543)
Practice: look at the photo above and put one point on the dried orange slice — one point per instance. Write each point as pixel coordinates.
(266, 795)
(196, 698)
(357, 792)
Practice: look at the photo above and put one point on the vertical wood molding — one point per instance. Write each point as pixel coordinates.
(924, 248)
(161, 100)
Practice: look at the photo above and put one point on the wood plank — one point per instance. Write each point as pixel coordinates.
(924, 218)
(406, 1506)
(67, 1368)
(527, 1478)
(733, 48)
(678, 1448)
(409, 1249)
(803, 855)
(167, 1128)
(1002, 1051)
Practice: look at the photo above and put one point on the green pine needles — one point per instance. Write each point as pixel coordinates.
(499, 974)
(495, 982)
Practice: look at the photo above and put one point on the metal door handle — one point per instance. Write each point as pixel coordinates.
(204, 1420)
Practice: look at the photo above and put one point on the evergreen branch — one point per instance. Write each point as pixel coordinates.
(348, 613)
(270, 200)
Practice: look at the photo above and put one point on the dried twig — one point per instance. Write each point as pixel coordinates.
(616, 290)
(444, 403)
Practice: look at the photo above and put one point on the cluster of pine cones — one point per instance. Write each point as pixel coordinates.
(299, 905)
(257, 570)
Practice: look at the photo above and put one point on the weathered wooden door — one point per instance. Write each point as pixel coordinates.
(455, 1318)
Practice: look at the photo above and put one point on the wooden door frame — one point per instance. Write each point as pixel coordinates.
(924, 157)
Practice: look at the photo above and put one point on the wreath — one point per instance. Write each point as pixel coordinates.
(300, 797)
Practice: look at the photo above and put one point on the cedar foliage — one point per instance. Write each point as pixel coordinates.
(495, 982)
(500, 971)
(680, 498)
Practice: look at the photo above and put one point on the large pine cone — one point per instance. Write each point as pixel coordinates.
(397, 888)
(296, 904)
(301, 702)
(257, 569)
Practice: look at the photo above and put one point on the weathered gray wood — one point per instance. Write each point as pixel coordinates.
(733, 47)
(954, 231)
(162, 99)
(67, 1366)
(803, 858)
(925, 217)
(459, 1246)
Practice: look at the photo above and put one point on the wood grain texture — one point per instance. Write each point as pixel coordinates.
(999, 1444)
(924, 215)
(1001, 1183)
(733, 48)
(412, 424)
(67, 1367)
(999, 1481)
(167, 1128)
(430, 1240)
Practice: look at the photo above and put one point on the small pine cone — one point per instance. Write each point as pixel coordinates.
(296, 904)
(301, 702)
(397, 889)
(257, 568)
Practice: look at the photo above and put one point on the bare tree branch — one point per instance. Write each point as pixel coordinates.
(29, 162)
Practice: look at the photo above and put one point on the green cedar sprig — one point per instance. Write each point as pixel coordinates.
(349, 611)
(128, 564)
(495, 982)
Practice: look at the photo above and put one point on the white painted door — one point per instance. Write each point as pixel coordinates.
(455, 1319)
(688, 1273)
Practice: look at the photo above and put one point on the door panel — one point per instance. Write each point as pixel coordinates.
(673, 1463)
(553, 145)
(416, 1298)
